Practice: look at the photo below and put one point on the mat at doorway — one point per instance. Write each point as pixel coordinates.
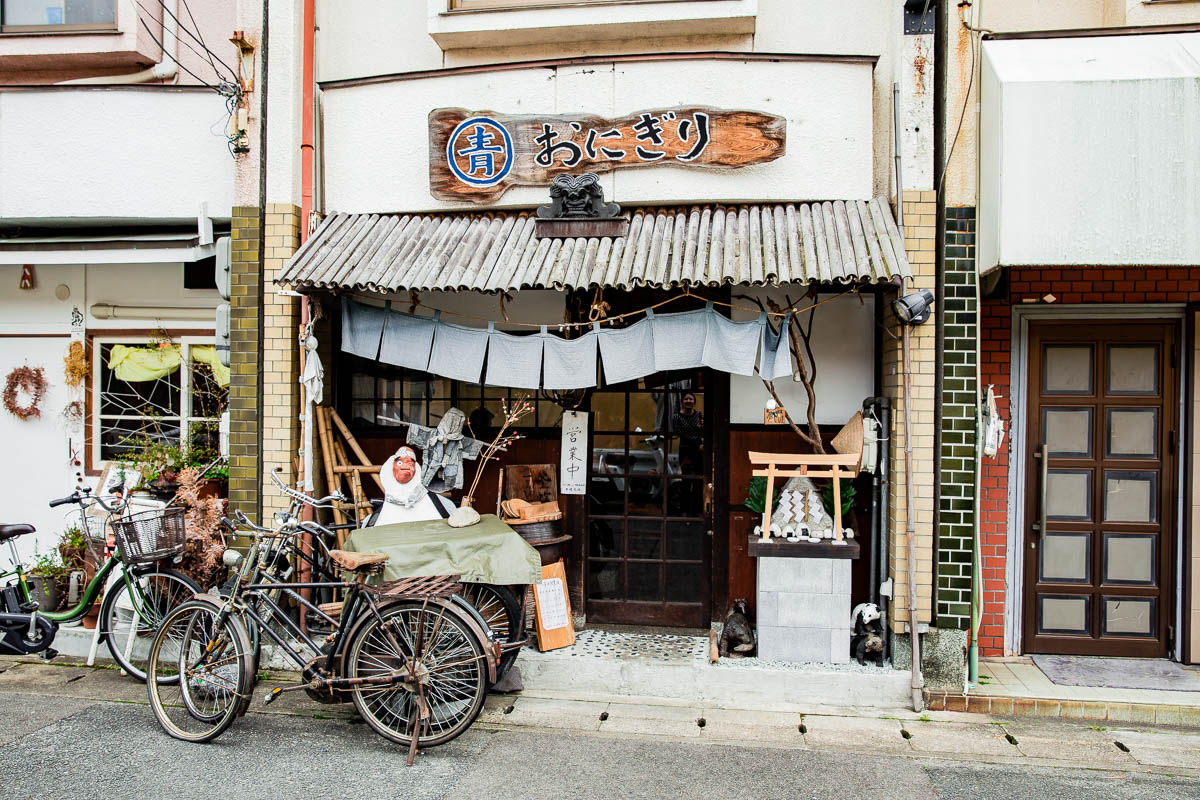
(1118, 673)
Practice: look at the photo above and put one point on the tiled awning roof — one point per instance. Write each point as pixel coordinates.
(830, 242)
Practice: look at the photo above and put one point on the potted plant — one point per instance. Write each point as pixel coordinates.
(46, 579)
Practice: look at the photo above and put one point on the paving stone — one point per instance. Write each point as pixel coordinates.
(1064, 742)
(947, 737)
(1160, 748)
(546, 713)
(855, 733)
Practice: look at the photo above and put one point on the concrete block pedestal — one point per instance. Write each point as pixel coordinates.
(804, 609)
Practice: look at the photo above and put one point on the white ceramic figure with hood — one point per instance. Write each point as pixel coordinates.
(405, 497)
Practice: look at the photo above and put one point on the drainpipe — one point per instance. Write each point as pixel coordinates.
(918, 681)
(308, 25)
(163, 70)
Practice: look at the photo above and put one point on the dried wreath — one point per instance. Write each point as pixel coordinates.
(32, 381)
(75, 365)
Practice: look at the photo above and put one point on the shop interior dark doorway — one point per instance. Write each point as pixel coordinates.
(648, 547)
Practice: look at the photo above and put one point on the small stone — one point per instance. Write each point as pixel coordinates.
(462, 517)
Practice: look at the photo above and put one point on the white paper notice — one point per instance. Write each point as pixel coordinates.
(574, 467)
(551, 603)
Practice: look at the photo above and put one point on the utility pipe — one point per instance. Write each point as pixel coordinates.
(111, 311)
(163, 70)
(308, 27)
(910, 545)
(306, 120)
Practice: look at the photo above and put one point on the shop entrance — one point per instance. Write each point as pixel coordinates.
(648, 548)
(1098, 497)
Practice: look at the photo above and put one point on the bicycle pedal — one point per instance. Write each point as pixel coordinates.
(49, 654)
(272, 695)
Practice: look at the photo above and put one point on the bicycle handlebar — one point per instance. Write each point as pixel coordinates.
(304, 498)
(84, 494)
(74, 498)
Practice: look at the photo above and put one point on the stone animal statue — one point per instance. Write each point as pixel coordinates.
(866, 638)
(737, 637)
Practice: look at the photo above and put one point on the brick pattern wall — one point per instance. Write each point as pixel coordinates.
(245, 285)
(920, 234)
(956, 441)
(1070, 285)
(281, 359)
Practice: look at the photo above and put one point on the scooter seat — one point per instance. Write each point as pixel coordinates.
(13, 531)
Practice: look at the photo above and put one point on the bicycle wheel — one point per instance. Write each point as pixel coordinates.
(449, 666)
(208, 654)
(129, 618)
(501, 611)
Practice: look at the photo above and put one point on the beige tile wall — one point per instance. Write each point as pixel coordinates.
(920, 229)
(279, 404)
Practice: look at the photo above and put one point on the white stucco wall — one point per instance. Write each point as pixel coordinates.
(844, 349)
(361, 38)
(377, 151)
(1091, 151)
(35, 330)
(916, 107)
(114, 152)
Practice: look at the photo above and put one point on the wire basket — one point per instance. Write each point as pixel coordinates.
(150, 535)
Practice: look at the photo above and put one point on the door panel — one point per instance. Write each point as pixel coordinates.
(649, 549)
(1102, 415)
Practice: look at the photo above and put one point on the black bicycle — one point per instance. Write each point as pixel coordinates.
(413, 656)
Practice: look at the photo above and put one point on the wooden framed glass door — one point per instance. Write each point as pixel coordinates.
(648, 548)
(1100, 488)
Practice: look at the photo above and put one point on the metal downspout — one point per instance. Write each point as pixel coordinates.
(308, 24)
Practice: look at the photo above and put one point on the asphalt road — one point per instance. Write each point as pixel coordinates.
(69, 747)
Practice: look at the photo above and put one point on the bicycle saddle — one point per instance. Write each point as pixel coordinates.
(13, 531)
(358, 561)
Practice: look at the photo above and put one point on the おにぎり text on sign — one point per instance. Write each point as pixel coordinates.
(573, 465)
(478, 155)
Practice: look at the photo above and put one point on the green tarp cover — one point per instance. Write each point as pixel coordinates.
(487, 552)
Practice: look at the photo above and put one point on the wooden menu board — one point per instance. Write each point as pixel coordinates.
(552, 609)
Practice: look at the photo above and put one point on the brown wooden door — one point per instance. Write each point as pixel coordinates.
(1101, 476)
(648, 548)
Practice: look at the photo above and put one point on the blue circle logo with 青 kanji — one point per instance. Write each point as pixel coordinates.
(480, 151)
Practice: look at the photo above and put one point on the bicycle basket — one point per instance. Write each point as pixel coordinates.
(150, 535)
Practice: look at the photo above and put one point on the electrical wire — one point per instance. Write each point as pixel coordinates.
(203, 44)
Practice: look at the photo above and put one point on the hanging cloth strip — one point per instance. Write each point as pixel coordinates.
(628, 353)
(679, 338)
(362, 328)
(407, 340)
(571, 363)
(732, 346)
(458, 351)
(775, 358)
(515, 361)
(135, 364)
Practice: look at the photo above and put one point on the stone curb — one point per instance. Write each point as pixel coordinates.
(1145, 713)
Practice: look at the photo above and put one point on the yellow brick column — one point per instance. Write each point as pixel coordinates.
(920, 227)
(281, 361)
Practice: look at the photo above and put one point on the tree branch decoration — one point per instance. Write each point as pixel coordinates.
(504, 437)
(31, 381)
(798, 335)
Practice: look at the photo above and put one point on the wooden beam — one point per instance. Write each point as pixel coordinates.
(350, 440)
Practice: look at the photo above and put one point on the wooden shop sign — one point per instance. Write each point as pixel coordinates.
(477, 155)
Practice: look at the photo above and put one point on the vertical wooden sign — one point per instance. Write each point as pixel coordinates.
(552, 609)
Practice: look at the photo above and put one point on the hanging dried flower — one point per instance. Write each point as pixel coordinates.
(75, 365)
(31, 381)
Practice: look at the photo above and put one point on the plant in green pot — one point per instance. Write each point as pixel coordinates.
(46, 579)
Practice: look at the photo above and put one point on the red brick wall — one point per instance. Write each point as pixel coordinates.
(1069, 286)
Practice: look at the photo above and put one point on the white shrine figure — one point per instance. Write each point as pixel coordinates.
(405, 497)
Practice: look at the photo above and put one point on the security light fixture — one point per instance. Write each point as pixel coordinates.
(913, 309)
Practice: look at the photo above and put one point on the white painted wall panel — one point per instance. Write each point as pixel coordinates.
(87, 152)
(1091, 151)
(376, 135)
(844, 346)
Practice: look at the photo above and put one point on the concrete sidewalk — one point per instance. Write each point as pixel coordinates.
(940, 735)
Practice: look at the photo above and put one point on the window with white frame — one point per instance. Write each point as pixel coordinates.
(57, 15)
(156, 392)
